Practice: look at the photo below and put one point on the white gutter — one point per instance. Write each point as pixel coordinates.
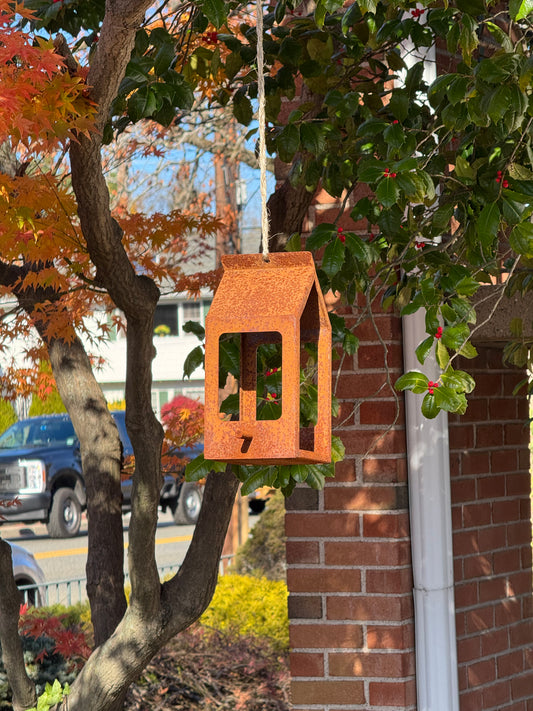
(431, 539)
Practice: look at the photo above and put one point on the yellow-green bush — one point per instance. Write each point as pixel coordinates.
(246, 605)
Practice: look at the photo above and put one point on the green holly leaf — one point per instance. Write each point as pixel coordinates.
(521, 239)
(430, 409)
(200, 467)
(387, 192)
(194, 360)
(424, 349)
(414, 381)
(333, 258)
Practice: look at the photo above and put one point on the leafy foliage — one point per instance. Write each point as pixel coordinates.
(263, 553)
(244, 605)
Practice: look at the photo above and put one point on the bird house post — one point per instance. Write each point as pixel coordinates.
(274, 302)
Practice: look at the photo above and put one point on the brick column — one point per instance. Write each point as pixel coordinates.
(348, 549)
(491, 485)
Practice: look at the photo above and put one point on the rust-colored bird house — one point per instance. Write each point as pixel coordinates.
(275, 308)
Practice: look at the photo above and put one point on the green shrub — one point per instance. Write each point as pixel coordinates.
(7, 415)
(263, 554)
(246, 605)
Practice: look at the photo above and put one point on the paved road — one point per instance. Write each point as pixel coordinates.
(65, 558)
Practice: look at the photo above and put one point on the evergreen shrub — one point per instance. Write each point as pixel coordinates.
(263, 554)
(249, 606)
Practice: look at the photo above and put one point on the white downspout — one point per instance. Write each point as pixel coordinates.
(431, 539)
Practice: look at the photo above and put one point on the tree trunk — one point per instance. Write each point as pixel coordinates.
(101, 462)
(22, 687)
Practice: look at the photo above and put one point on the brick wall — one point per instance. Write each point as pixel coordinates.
(348, 550)
(492, 541)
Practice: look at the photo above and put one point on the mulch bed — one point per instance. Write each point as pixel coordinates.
(209, 670)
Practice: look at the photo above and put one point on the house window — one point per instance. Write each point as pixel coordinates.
(195, 311)
(166, 320)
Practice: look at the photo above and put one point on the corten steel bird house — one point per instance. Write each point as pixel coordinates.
(268, 302)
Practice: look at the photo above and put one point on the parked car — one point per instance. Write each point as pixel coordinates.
(40, 464)
(28, 572)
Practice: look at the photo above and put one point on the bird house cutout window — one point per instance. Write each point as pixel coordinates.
(269, 311)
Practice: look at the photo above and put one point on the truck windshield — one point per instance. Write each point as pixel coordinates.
(38, 433)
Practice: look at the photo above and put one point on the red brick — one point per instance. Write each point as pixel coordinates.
(461, 436)
(506, 561)
(518, 533)
(468, 649)
(381, 470)
(387, 637)
(372, 664)
(472, 700)
(375, 442)
(463, 490)
(494, 642)
(324, 580)
(389, 581)
(364, 498)
(385, 412)
(385, 609)
(480, 619)
(508, 611)
(475, 515)
(399, 694)
(494, 589)
(502, 409)
(510, 664)
(386, 526)
(388, 327)
(518, 484)
(345, 470)
(325, 636)
(490, 539)
(490, 487)
(363, 385)
(477, 566)
(320, 525)
(367, 553)
(521, 634)
(505, 511)
(521, 686)
(503, 461)
(327, 692)
(476, 411)
(302, 552)
(475, 463)
(373, 356)
(481, 673)
(305, 607)
(466, 595)
(306, 664)
(515, 433)
(489, 435)
(496, 695)
(488, 384)
(464, 542)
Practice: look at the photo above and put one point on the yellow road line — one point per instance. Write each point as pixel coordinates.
(81, 551)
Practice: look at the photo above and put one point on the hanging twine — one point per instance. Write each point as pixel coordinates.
(262, 130)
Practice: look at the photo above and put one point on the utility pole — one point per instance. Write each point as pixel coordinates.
(228, 207)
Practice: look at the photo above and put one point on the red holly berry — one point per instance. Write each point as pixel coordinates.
(419, 245)
(417, 12)
(505, 184)
(432, 386)
(438, 334)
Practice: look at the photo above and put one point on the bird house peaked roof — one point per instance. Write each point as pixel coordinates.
(269, 301)
(255, 292)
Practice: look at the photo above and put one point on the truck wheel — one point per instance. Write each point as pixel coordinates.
(65, 515)
(187, 508)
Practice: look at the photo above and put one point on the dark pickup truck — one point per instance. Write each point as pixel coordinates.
(40, 464)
